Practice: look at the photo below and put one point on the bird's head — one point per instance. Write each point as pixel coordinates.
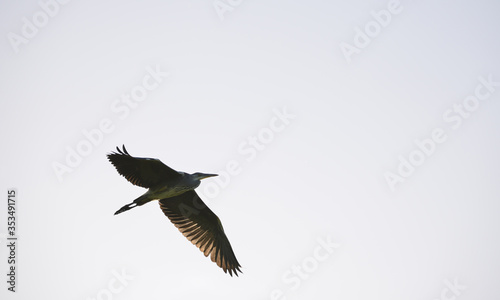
(200, 176)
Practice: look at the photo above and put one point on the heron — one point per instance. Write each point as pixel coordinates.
(179, 202)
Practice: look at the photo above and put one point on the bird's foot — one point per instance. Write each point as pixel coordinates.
(126, 207)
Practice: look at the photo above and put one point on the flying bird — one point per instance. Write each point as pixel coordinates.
(179, 202)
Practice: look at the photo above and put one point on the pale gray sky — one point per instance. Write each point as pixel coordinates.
(357, 145)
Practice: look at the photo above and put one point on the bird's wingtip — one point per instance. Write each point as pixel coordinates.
(234, 271)
(125, 149)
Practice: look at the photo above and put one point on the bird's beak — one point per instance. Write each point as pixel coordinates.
(203, 176)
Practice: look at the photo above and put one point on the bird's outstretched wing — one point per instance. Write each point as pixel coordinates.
(202, 227)
(144, 172)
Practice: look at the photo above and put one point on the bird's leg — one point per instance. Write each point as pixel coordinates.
(126, 207)
(137, 202)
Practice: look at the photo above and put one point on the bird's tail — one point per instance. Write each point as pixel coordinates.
(137, 202)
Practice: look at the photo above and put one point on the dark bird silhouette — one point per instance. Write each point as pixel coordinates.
(179, 202)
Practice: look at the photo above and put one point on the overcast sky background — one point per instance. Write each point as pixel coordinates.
(317, 175)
